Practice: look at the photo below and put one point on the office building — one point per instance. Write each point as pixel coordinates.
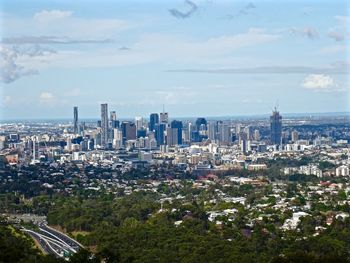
(141, 133)
(153, 121)
(171, 136)
(164, 117)
(256, 135)
(178, 126)
(224, 133)
(104, 125)
(113, 116)
(248, 131)
(201, 124)
(75, 112)
(117, 139)
(275, 127)
(128, 131)
(139, 123)
(212, 131)
(113, 122)
(295, 136)
(160, 129)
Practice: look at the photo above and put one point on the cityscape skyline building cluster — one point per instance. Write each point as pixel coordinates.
(159, 131)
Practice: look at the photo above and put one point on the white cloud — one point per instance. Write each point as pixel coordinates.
(45, 16)
(334, 49)
(337, 36)
(320, 82)
(7, 100)
(307, 32)
(343, 19)
(46, 98)
(182, 48)
(73, 93)
(156, 48)
(340, 31)
(10, 68)
(64, 24)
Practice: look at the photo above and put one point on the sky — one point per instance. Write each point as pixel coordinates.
(195, 57)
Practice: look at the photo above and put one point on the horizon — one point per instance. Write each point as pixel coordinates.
(237, 117)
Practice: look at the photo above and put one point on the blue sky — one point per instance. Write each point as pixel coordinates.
(198, 57)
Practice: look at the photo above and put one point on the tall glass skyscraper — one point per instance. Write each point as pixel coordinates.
(153, 121)
(276, 127)
(177, 125)
(104, 125)
(160, 129)
(75, 112)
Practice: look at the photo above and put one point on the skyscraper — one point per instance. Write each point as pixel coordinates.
(128, 130)
(276, 127)
(113, 116)
(164, 117)
(153, 121)
(223, 133)
(114, 123)
(256, 135)
(160, 129)
(75, 111)
(200, 130)
(212, 131)
(104, 125)
(294, 136)
(178, 126)
(139, 123)
(201, 124)
(171, 136)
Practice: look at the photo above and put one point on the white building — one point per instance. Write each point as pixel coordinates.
(342, 171)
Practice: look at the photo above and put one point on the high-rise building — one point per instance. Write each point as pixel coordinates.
(160, 128)
(276, 127)
(201, 124)
(248, 131)
(139, 123)
(118, 139)
(128, 130)
(238, 129)
(212, 131)
(256, 135)
(141, 133)
(224, 133)
(113, 116)
(199, 131)
(295, 136)
(153, 121)
(164, 117)
(113, 122)
(178, 126)
(104, 125)
(171, 136)
(81, 127)
(75, 112)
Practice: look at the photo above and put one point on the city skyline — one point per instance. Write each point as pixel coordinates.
(199, 58)
(174, 131)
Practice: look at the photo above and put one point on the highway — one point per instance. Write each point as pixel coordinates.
(53, 241)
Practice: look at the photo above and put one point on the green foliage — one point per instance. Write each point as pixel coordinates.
(85, 215)
(326, 165)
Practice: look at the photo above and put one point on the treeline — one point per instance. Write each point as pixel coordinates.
(133, 229)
